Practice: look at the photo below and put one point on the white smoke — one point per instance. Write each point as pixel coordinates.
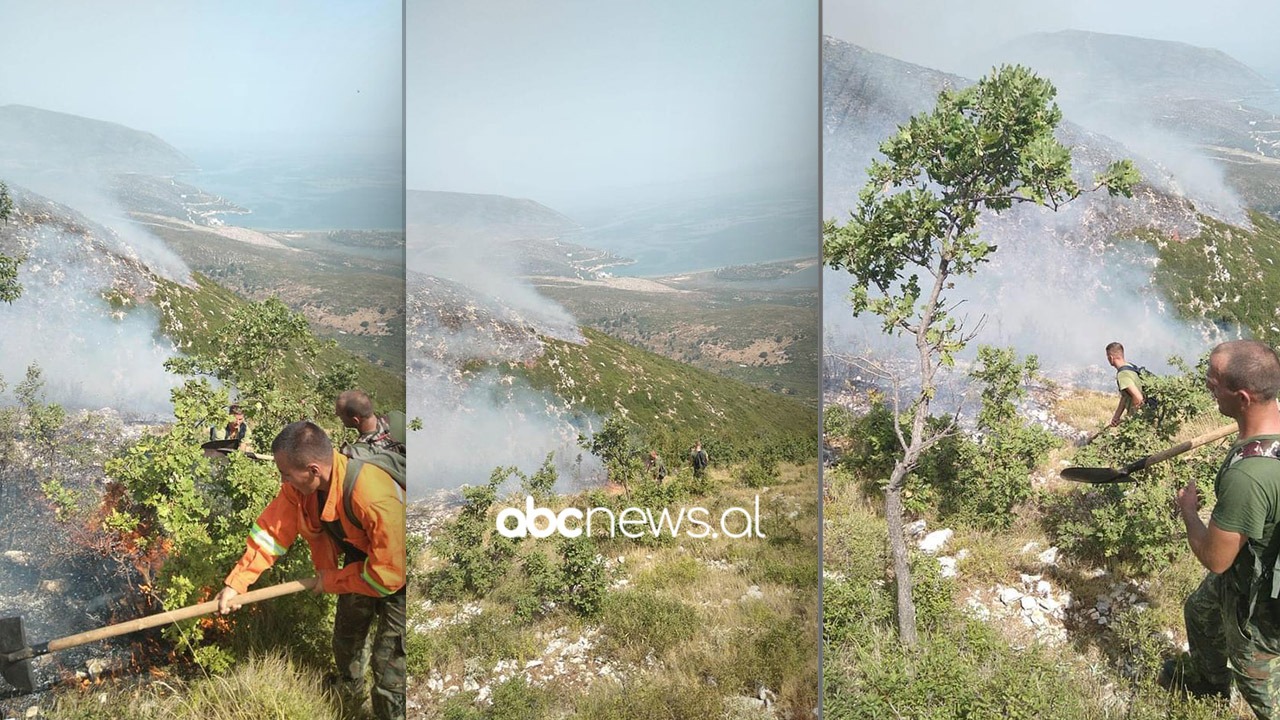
(1041, 295)
(491, 270)
(1182, 167)
(492, 420)
(90, 195)
(484, 313)
(90, 355)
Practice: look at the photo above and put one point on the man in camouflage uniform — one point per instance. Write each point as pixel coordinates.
(356, 613)
(1233, 617)
(355, 410)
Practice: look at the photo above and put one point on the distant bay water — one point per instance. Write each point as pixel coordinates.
(673, 238)
(304, 193)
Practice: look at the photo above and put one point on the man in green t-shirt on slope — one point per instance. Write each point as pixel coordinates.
(1127, 382)
(1233, 617)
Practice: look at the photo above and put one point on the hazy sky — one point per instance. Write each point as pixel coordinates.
(941, 33)
(291, 74)
(565, 98)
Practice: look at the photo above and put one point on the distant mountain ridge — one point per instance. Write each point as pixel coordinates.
(1138, 67)
(453, 215)
(36, 140)
(866, 96)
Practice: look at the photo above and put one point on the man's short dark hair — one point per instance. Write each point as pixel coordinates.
(355, 403)
(303, 443)
(235, 408)
(1114, 348)
(1250, 365)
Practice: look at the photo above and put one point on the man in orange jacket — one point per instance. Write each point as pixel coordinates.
(371, 579)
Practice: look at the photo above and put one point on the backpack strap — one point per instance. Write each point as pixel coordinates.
(1257, 448)
(349, 488)
(1261, 568)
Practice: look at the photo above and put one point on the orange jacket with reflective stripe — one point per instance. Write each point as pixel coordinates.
(378, 503)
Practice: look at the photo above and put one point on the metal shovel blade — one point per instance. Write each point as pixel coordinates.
(13, 640)
(1096, 476)
(16, 654)
(1113, 475)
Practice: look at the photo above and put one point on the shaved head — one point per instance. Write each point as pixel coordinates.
(1248, 365)
(303, 443)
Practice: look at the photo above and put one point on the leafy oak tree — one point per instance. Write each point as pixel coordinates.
(982, 148)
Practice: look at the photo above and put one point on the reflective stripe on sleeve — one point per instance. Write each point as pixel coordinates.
(373, 583)
(265, 542)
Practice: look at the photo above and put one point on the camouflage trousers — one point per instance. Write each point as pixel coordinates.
(1235, 636)
(351, 624)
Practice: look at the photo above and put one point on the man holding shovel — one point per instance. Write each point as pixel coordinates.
(1233, 617)
(311, 503)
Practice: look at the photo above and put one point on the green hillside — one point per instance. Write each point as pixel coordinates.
(193, 317)
(674, 403)
(1228, 275)
(769, 339)
(352, 298)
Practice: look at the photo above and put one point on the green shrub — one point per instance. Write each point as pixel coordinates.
(760, 472)
(873, 450)
(540, 483)
(980, 482)
(850, 605)
(583, 583)
(1135, 523)
(515, 699)
(476, 557)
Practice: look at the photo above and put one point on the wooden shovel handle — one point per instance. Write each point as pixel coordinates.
(172, 616)
(1180, 448)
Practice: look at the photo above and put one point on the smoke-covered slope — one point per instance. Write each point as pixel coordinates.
(1177, 104)
(100, 312)
(93, 354)
(1062, 284)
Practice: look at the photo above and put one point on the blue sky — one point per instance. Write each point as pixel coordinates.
(567, 99)
(292, 74)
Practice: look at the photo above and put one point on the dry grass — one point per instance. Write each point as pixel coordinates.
(270, 686)
(1085, 409)
(691, 626)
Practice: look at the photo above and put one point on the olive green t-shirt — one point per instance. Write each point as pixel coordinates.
(1248, 493)
(1127, 379)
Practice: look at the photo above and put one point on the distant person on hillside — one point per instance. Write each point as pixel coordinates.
(1128, 383)
(698, 458)
(655, 466)
(355, 409)
(1233, 617)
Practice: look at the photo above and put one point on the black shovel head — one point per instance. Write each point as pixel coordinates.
(219, 448)
(13, 638)
(1096, 476)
